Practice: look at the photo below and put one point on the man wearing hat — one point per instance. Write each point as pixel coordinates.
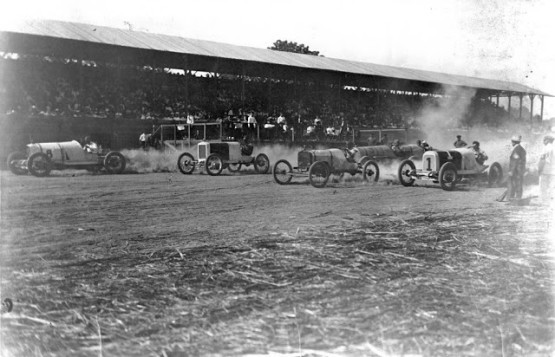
(460, 143)
(517, 166)
(546, 169)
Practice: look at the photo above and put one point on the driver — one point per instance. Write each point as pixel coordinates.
(246, 147)
(480, 155)
(350, 152)
(90, 146)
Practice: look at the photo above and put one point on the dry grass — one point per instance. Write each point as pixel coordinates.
(438, 284)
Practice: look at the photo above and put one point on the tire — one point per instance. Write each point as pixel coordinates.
(114, 162)
(319, 174)
(214, 165)
(370, 171)
(495, 175)
(39, 164)
(13, 160)
(234, 167)
(448, 176)
(282, 172)
(186, 163)
(403, 173)
(363, 160)
(262, 164)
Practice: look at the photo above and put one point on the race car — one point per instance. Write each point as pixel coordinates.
(319, 165)
(448, 167)
(41, 158)
(216, 156)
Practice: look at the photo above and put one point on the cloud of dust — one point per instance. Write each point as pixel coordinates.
(141, 161)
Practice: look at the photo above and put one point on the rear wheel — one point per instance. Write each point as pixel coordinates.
(39, 164)
(495, 175)
(404, 173)
(282, 172)
(214, 165)
(16, 161)
(318, 174)
(262, 164)
(448, 176)
(114, 162)
(186, 163)
(370, 171)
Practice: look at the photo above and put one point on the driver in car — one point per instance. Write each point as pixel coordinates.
(480, 155)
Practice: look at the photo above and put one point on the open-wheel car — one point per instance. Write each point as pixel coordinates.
(41, 158)
(449, 167)
(319, 165)
(217, 156)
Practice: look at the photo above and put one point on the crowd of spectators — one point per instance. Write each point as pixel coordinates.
(53, 87)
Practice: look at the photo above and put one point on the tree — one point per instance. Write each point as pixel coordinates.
(287, 46)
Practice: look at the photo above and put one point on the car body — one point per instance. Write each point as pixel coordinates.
(380, 153)
(447, 167)
(40, 158)
(319, 165)
(216, 156)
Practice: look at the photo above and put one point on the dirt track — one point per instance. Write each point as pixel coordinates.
(76, 218)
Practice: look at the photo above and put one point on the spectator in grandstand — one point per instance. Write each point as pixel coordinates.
(251, 122)
(517, 167)
(281, 120)
(459, 143)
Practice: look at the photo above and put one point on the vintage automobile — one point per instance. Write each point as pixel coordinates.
(41, 158)
(216, 156)
(319, 165)
(448, 167)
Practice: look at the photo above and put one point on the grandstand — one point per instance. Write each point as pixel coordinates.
(62, 80)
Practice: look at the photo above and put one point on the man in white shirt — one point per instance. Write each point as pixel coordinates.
(546, 170)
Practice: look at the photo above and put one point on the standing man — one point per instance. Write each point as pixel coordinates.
(517, 166)
(251, 121)
(546, 170)
(460, 143)
(142, 140)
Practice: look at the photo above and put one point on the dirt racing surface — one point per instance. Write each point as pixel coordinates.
(164, 264)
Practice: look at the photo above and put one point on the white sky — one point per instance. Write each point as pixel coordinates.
(510, 40)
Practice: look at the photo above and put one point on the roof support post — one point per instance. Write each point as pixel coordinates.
(497, 100)
(531, 106)
(520, 95)
(541, 110)
(186, 68)
(243, 74)
(510, 95)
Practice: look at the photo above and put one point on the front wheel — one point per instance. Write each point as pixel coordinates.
(495, 174)
(318, 174)
(39, 164)
(370, 171)
(186, 163)
(16, 163)
(214, 165)
(261, 164)
(114, 162)
(404, 173)
(282, 172)
(448, 176)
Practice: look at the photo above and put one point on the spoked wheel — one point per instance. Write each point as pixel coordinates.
(16, 161)
(318, 174)
(495, 175)
(370, 171)
(114, 162)
(39, 164)
(282, 172)
(448, 176)
(234, 167)
(214, 165)
(406, 167)
(186, 163)
(261, 164)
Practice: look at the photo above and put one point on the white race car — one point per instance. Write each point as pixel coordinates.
(41, 158)
(447, 167)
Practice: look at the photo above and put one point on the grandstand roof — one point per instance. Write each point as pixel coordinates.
(47, 29)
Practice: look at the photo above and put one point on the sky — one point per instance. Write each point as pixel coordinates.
(511, 40)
